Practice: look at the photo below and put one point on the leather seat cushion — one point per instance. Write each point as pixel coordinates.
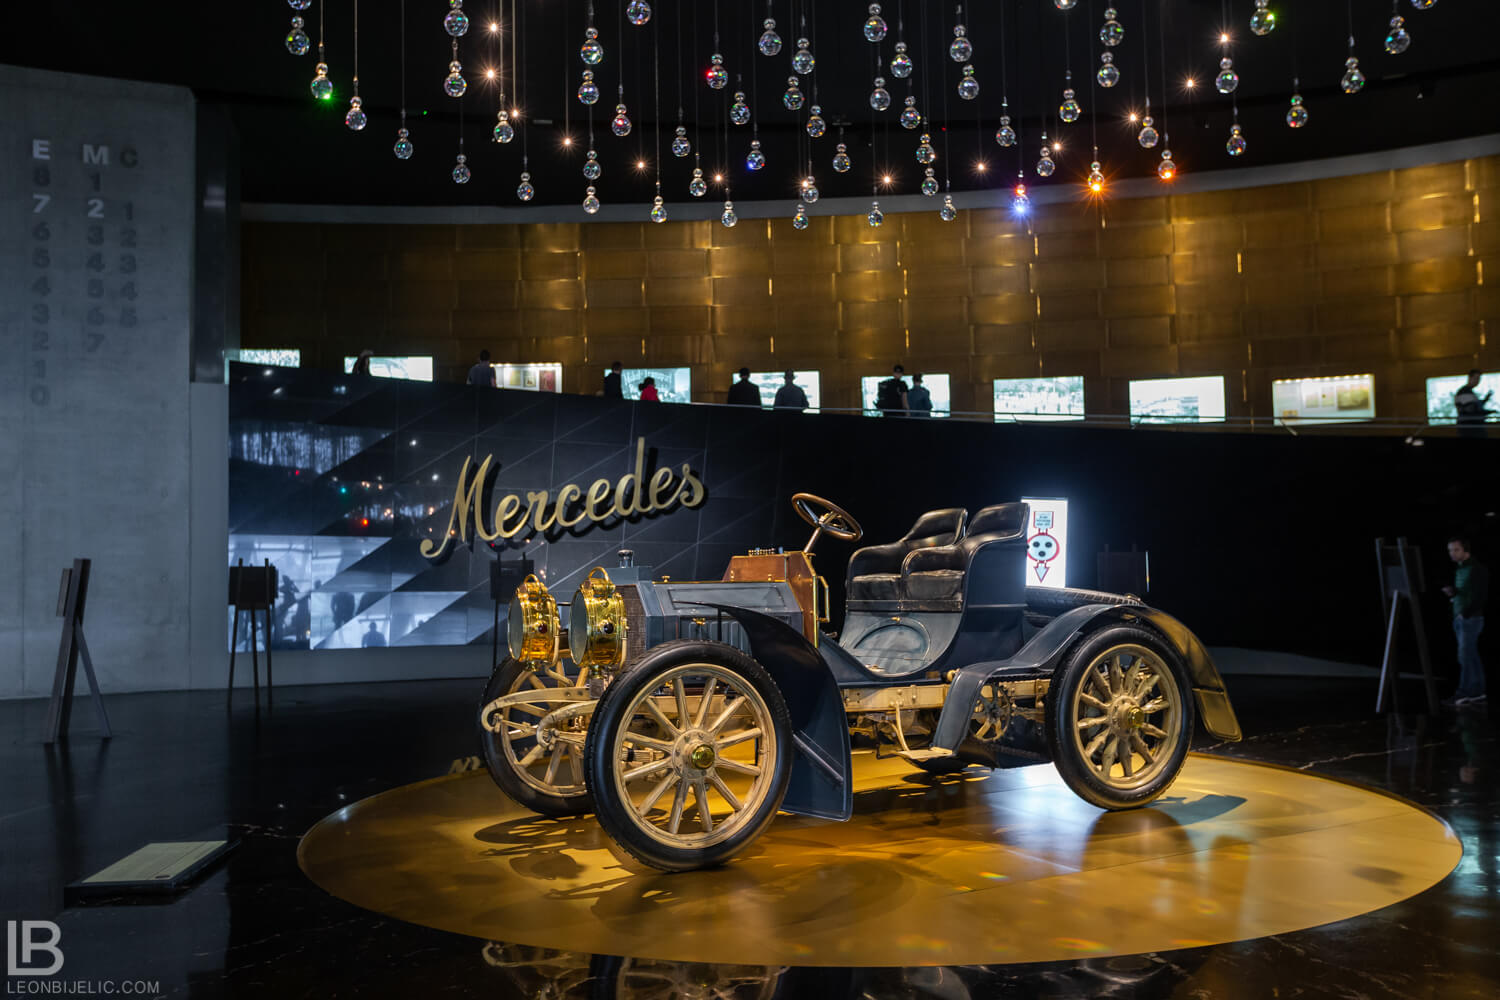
(935, 585)
(876, 587)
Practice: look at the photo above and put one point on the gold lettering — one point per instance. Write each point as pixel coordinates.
(538, 510)
(467, 498)
(692, 492)
(598, 494)
(659, 483)
(508, 507)
(564, 501)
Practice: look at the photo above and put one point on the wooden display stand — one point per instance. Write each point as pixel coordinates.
(252, 589)
(1401, 585)
(71, 598)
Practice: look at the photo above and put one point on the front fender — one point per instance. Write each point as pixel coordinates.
(822, 783)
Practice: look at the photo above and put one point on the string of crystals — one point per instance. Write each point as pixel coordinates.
(1148, 136)
(403, 147)
(961, 50)
(1397, 39)
(297, 42)
(658, 212)
(321, 86)
(1166, 168)
(1005, 135)
(769, 43)
(1068, 110)
(1228, 80)
(620, 124)
(524, 190)
(1096, 172)
(461, 173)
(355, 117)
(1353, 80)
(697, 187)
(1263, 20)
(504, 131)
(807, 187)
(1296, 115)
(456, 23)
(1236, 145)
(1112, 33)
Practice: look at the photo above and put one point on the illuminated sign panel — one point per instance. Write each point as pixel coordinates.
(1177, 400)
(1440, 392)
(770, 382)
(1324, 400)
(415, 369)
(1047, 542)
(1057, 398)
(673, 385)
(936, 383)
(530, 377)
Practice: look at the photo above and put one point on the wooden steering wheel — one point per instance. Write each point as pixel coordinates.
(825, 515)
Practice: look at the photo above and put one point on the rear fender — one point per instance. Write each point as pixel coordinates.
(821, 784)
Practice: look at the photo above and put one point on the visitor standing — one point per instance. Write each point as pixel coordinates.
(648, 390)
(918, 399)
(612, 387)
(482, 373)
(744, 392)
(890, 396)
(1472, 408)
(362, 363)
(1468, 593)
(791, 396)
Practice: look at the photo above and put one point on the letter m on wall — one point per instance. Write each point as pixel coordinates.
(98, 155)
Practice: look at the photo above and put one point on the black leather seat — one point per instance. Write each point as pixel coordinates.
(875, 572)
(993, 550)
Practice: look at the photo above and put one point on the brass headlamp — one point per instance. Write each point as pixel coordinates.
(596, 629)
(532, 628)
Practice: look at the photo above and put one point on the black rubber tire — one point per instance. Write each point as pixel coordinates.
(617, 815)
(1077, 773)
(504, 680)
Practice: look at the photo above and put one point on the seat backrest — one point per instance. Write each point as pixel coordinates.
(994, 553)
(936, 527)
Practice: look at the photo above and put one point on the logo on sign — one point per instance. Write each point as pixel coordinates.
(26, 941)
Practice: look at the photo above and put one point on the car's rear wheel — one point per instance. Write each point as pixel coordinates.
(688, 755)
(542, 771)
(1120, 717)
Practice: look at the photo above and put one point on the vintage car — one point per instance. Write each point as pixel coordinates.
(686, 714)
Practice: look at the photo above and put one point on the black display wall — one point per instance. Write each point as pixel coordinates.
(1255, 540)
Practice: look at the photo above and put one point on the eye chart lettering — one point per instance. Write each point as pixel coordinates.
(1047, 542)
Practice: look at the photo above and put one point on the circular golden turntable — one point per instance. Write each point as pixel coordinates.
(1004, 866)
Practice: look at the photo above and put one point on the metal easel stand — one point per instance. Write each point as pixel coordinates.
(1399, 568)
(71, 598)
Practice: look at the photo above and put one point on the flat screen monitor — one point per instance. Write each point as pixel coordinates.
(936, 383)
(539, 377)
(673, 385)
(417, 369)
(770, 383)
(1059, 397)
(1324, 400)
(1177, 400)
(1440, 392)
(276, 357)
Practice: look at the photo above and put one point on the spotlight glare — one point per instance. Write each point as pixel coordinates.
(489, 74)
(1057, 147)
(1223, 38)
(718, 178)
(1133, 117)
(567, 140)
(1190, 83)
(885, 179)
(494, 26)
(640, 164)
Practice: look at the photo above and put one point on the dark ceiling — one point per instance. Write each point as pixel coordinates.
(295, 149)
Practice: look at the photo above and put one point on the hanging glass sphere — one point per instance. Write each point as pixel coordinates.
(524, 190)
(590, 201)
(1045, 166)
(591, 51)
(638, 12)
(1228, 79)
(591, 168)
(841, 160)
(457, 22)
(1069, 110)
(403, 147)
(1166, 169)
(1113, 32)
(620, 125)
(588, 90)
(696, 187)
(755, 159)
(299, 4)
(876, 216)
(1005, 135)
(717, 76)
(793, 97)
(968, 87)
(504, 131)
(680, 145)
(809, 189)
(1353, 81)
(455, 85)
(355, 117)
(880, 98)
(1065, 4)
(1148, 136)
(1236, 144)
(1109, 73)
(1262, 21)
(816, 126)
(960, 50)
(875, 27)
(1020, 201)
(929, 184)
(739, 111)
(1419, 4)
(1296, 115)
(925, 152)
(1397, 40)
(658, 210)
(901, 62)
(770, 42)
(297, 42)
(1096, 178)
(799, 220)
(321, 86)
(461, 170)
(948, 212)
(910, 116)
(803, 62)
(729, 218)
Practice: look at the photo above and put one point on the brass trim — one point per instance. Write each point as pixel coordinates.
(597, 625)
(532, 627)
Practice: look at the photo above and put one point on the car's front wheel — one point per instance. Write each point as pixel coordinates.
(542, 769)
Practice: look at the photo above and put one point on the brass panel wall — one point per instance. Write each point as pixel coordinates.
(1382, 272)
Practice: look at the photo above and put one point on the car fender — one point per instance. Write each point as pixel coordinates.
(821, 783)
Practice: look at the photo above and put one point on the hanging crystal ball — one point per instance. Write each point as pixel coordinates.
(799, 220)
(755, 159)
(297, 42)
(504, 131)
(455, 85)
(355, 118)
(591, 168)
(1296, 115)
(901, 64)
(638, 12)
(1065, 4)
(588, 90)
(929, 184)
(809, 189)
(461, 170)
(1236, 144)
(1166, 169)
(591, 51)
(1096, 177)
(1069, 110)
(1020, 202)
(457, 22)
(1113, 32)
(793, 97)
(947, 213)
(717, 76)
(1109, 73)
(1045, 166)
(696, 187)
(1263, 21)
(658, 210)
(299, 4)
(621, 123)
(590, 201)
(321, 86)
(876, 216)
(1148, 136)
(1353, 81)
(524, 190)
(841, 161)
(403, 147)
(961, 50)
(729, 218)
(880, 98)
(1228, 79)
(816, 126)
(739, 111)
(1397, 40)
(680, 145)
(1419, 4)
(910, 116)
(968, 87)
(925, 152)
(770, 42)
(803, 62)
(1005, 135)
(875, 26)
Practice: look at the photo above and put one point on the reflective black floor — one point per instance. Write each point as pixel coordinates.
(183, 767)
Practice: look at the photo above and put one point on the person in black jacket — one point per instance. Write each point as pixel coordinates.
(1473, 409)
(612, 387)
(744, 392)
(890, 395)
(791, 396)
(1468, 593)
